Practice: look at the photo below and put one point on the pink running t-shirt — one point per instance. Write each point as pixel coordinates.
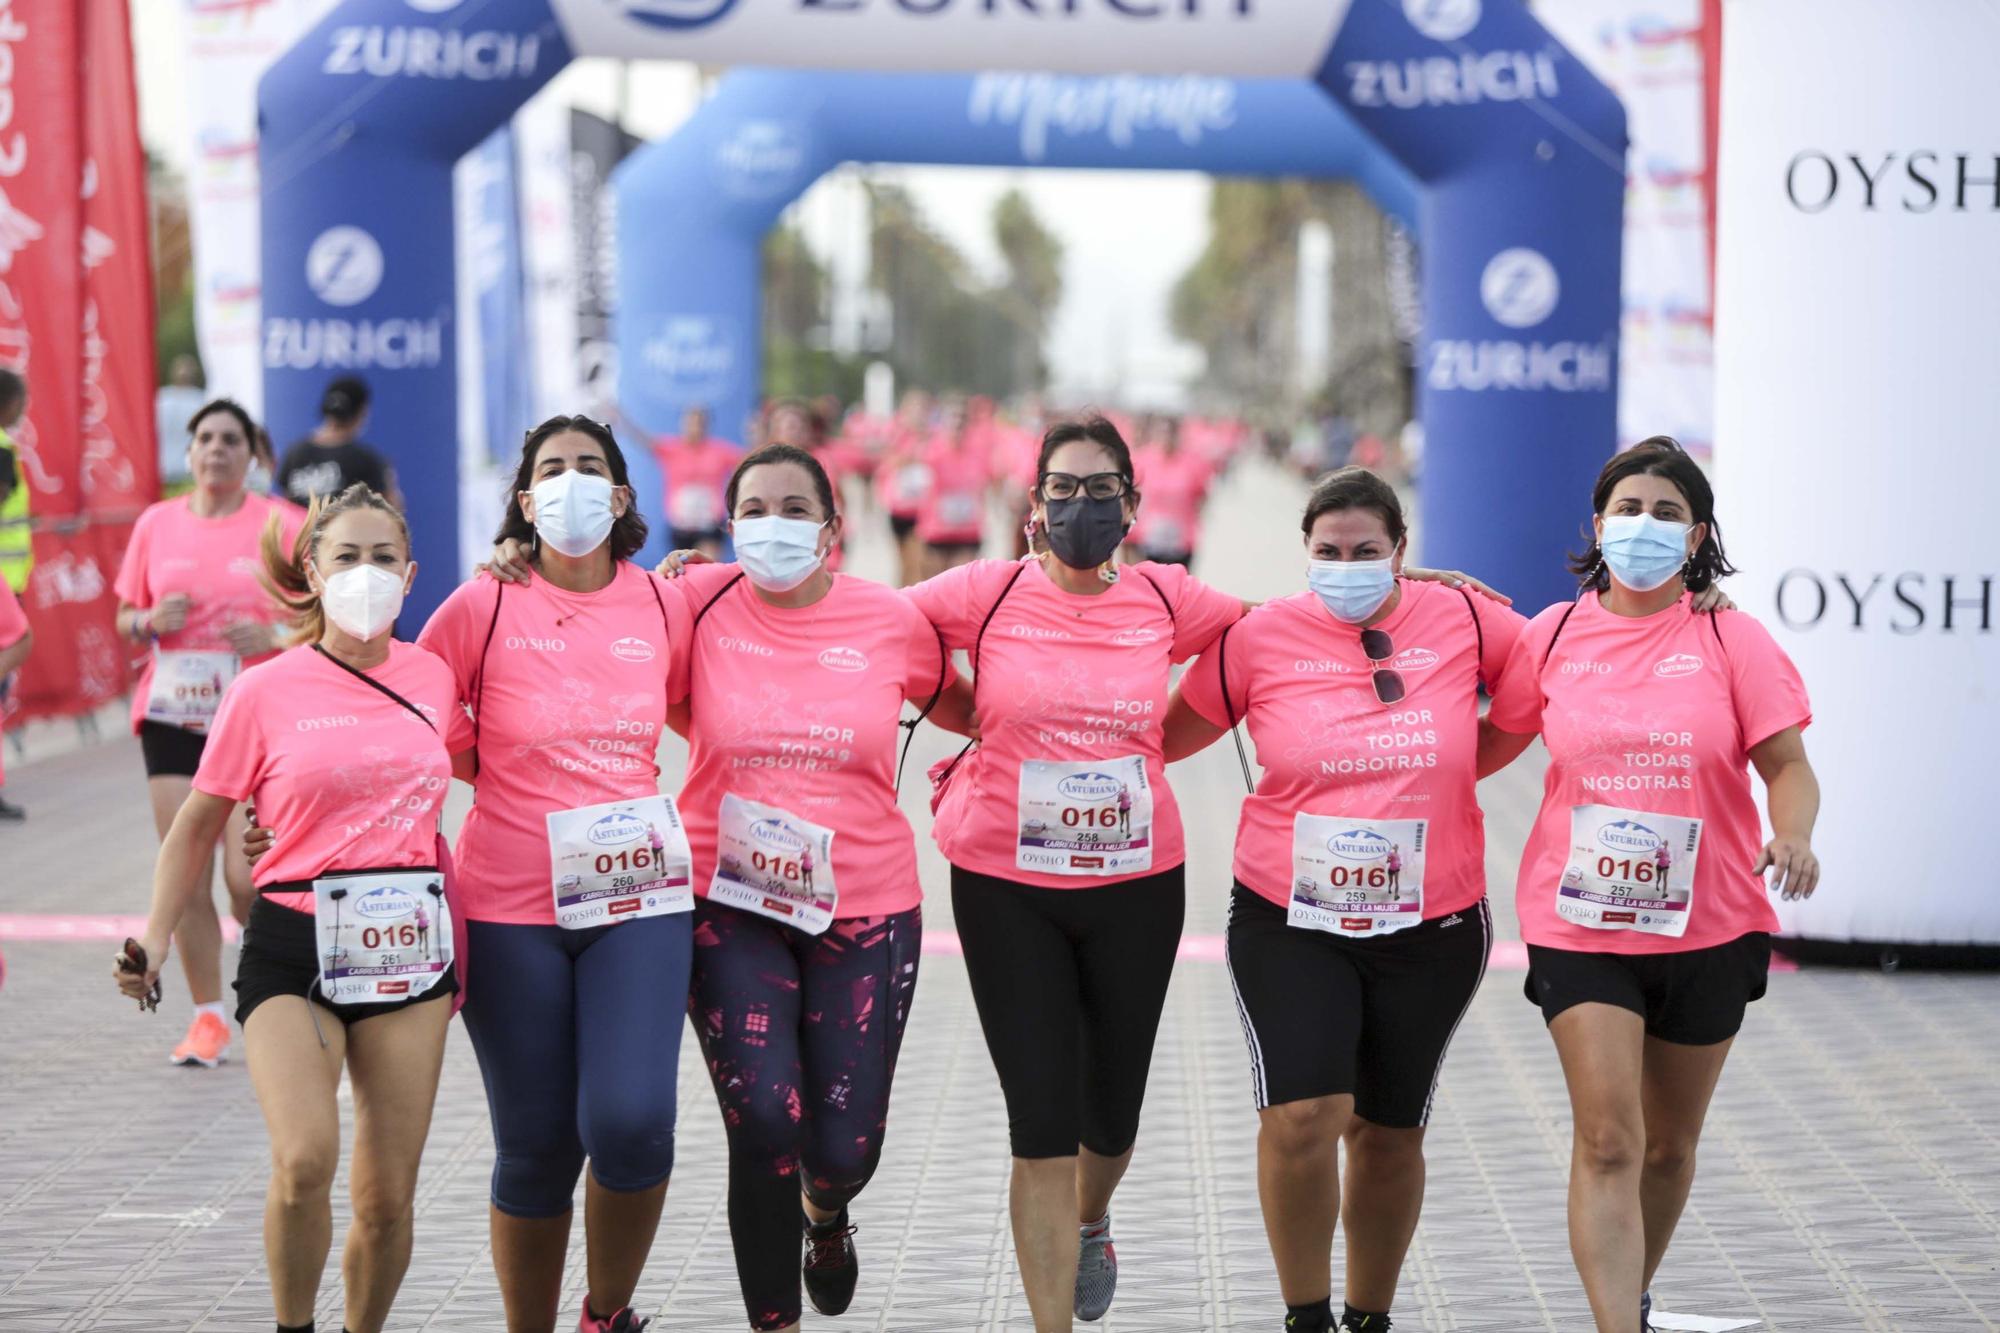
(1173, 487)
(215, 561)
(953, 510)
(696, 477)
(1328, 746)
(797, 708)
(1655, 714)
(901, 477)
(13, 625)
(349, 778)
(568, 713)
(1064, 677)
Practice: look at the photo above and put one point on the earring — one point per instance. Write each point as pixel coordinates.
(1108, 571)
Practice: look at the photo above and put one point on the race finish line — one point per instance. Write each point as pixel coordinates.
(56, 928)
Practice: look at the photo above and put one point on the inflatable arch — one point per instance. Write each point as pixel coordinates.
(690, 311)
(1517, 149)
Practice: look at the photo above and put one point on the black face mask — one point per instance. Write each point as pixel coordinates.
(1084, 533)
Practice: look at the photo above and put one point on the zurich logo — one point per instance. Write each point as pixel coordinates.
(1519, 287)
(1358, 845)
(615, 828)
(385, 904)
(1442, 20)
(679, 15)
(344, 266)
(434, 6)
(1090, 786)
(772, 833)
(1626, 835)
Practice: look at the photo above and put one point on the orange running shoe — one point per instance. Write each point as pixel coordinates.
(206, 1043)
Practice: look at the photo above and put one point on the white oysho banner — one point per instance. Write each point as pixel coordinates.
(1856, 396)
(1243, 38)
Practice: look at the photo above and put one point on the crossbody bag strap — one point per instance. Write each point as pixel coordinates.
(375, 684)
(1479, 635)
(909, 725)
(479, 684)
(1229, 710)
(977, 640)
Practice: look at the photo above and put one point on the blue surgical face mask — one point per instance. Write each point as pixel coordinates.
(1352, 590)
(777, 553)
(1643, 552)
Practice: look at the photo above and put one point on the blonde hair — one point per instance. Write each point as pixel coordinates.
(284, 574)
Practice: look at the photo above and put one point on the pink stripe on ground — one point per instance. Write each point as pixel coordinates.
(35, 927)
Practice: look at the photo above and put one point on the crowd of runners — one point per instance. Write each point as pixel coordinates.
(770, 891)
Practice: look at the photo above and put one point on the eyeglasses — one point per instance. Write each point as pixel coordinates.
(1381, 648)
(1098, 485)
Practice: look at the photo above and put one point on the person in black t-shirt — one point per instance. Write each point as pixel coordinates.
(333, 457)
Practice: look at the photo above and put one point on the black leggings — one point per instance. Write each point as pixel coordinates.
(800, 1033)
(1069, 984)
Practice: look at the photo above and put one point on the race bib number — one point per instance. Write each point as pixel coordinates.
(620, 860)
(771, 862)
(187, 687)
(383, 936)
(913, 482)
(1629, 870)
(1093, 817)
(1357, 877)
(695, 509)
(958, 509)
(1167, 534)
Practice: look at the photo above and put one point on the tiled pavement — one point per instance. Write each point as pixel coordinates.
(1850, 1177)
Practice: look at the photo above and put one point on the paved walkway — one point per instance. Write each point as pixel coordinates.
(1850, 1176)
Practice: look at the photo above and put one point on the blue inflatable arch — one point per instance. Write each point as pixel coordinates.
(690, 316)
(1517, 150)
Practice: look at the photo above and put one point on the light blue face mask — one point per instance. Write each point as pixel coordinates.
(1643, 552)
(1352, 590)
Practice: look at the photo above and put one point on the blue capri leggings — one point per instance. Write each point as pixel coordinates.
(578, 1034)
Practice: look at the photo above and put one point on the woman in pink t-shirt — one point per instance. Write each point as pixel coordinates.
(344, 744)
(1070, 913)
(189, 594)
(903, 479)
(1176, 480)
(1653, 713)
(1358, 924)
(808, 932)
(575, 1007)
(951, 519)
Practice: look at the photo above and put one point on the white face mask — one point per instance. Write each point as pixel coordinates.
(778, 554)
(573, 512)
(364, 600)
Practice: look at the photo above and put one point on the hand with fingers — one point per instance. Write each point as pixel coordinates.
(1797, 867)
(1452, 578)
(136, 970)
(677, 561)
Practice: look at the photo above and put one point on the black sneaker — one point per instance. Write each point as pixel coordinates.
(10, 812)
(1367, 1323)
(1646, 1312)
(830, 1268)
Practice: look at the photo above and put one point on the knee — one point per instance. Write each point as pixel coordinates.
(765, 1127)
(836, 1171)
(536, 1180)
(1384, 1147)
(302, 1173)
(383, 1205)
(631, 1150)
(1303, 1128)
(1670, 1156)
(1608, 1147)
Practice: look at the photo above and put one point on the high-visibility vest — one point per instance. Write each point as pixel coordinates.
(17, 554)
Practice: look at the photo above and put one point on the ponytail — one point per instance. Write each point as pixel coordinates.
(284, 573)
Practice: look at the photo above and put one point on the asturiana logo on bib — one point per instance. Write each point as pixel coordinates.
(844, 659)
(1358, 845)
(772, 833)
(632, 650)
(1415, 659)
(385, 904)
(1628, 835)
(615, 828)
(1090, 786)
(1680, 664)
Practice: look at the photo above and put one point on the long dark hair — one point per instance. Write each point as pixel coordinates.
(1660, 456)
(782, 453)
(628, 532)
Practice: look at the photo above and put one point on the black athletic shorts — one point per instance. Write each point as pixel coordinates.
(1696, 998)
(688, 539)
(280, 956)
(1325, 1014)
(959, 551)
(170, 751)
(1181, 558)
(902, 525)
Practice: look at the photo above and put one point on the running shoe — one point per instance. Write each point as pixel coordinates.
(831, 1267)
(1096, 1270)
(1646, 1312)
(626, 1320)
(206, 1043)
(1364, 1323)
(10, 812)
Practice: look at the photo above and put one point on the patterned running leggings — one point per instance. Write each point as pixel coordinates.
(800, 1033)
